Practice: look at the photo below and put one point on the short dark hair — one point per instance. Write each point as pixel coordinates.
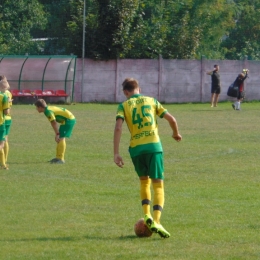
(216, 65)
(130, 84)
(40, 103)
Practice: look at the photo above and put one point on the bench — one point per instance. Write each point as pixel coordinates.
(26, 93)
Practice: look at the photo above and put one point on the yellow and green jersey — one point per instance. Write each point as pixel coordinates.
(10, 97)
(4, 104)
(61, 115)
(140, 113)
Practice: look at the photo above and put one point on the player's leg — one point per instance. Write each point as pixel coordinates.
(216, 97)
(7, 131)
(60, 150)
(145, 194)
(237, 104)
(156, 172)
(6, 148)
(65, 132)
(157, 209)
(158, 201)
(145, 190)
(212, 99)
(2, 142)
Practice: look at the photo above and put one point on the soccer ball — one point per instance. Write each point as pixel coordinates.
(141, 230)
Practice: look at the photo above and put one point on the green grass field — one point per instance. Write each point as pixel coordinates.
(86, 208)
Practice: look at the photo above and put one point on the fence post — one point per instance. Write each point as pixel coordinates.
(202, 76)
(160, 76)
(116, 81)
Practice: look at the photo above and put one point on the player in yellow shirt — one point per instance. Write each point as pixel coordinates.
(140, 112)
(66, 120)
(4, 110)
(8, 123)
(8, 119)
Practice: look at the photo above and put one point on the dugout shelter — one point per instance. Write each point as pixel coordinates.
(40, 76)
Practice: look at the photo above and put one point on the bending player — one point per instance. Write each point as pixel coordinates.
(66, 120)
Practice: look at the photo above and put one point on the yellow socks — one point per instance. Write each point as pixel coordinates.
(145, 193)
(2, 157)
(6, 150)
(60, 150)
(158, 202)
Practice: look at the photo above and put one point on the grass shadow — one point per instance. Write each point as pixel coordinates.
(67, 239)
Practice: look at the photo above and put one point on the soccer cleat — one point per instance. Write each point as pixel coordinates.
(5, 167)
(233, 106)
(158, 228)
(148, 220)
(58, 161)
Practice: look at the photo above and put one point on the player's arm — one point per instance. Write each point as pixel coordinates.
(7, 111)
(174, 126)
(55, 127)
(117, 136)
(6, 105)
(246, 75)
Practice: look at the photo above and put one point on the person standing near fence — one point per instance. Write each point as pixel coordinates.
(215, 85)
(140, 113)
(239, 82)
(62, 116)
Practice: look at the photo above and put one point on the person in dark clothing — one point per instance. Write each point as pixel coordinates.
(239, 82)
(215, 85)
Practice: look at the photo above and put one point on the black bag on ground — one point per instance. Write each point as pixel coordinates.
(232, 91)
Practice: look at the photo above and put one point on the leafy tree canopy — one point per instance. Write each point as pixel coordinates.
(17, 19)
(175, 29)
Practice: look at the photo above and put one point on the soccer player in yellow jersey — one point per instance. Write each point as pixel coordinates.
(4, 110)
(8, 120)
(145, 148)
(8, 123)
(66, 120)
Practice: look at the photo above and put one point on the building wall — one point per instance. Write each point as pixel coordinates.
(170, 81)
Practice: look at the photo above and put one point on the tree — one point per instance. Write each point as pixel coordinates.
(183, 29)
(18, 18)
(109, 32)
(174, 29)
(244, 39)
(56, 34)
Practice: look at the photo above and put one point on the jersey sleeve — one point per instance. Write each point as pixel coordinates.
(160, 109)
(120, 112)
(50, 115)
(6, 103)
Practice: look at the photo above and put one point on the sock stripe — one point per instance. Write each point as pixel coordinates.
(157, 207)
(146, 201)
